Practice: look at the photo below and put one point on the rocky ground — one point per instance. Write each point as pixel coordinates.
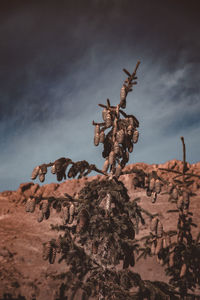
(22, 269)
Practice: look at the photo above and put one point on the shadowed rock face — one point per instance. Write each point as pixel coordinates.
(22, 269)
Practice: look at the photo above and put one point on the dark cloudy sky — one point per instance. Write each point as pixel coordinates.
(59, 59)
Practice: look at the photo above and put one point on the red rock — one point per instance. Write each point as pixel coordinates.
(15, 197)
(39, 192)
(34, 188)
(49, 189)
(6, 193)
(25, 186)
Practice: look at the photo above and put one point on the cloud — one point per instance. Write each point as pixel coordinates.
(64, 64)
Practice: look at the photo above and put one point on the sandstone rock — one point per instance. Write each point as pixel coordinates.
(34, 188)
(27, 193)
(6, 193)
(25, 186)
(49, 189)
(39, 192)
(70, 186)
(15, 197)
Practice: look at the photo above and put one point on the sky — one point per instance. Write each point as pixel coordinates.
(60, 59)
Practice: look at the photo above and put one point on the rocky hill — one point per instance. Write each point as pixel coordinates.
(22, 269)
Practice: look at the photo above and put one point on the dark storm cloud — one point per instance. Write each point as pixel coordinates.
(59, 59)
